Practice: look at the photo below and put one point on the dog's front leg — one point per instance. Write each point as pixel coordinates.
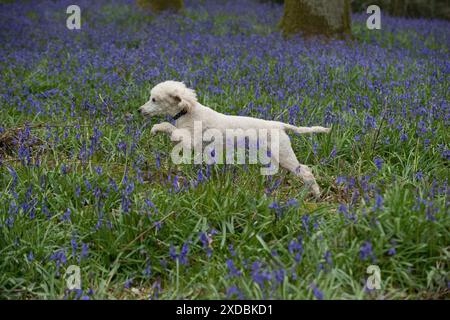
(163, 127)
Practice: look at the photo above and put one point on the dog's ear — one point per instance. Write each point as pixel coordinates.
(176, 98)
(186, 99)
(186, 105)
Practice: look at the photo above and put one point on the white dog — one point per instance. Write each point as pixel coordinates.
(176, 100)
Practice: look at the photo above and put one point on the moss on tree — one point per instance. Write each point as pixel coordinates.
(317, 17)
(161, 5)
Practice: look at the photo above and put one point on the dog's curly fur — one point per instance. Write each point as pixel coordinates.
(172, 97)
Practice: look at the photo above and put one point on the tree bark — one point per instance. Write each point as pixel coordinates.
(398, 7)
(161, 5)
(317, 17)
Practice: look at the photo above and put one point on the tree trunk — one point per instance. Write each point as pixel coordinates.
(317, 17)
(398, 8)
(161, 5)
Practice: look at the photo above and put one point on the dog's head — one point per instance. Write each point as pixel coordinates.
(169, 98)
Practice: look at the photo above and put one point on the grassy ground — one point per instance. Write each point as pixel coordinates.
(84, 183)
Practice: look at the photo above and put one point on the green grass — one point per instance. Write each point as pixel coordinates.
(234, 202)
(235, 205)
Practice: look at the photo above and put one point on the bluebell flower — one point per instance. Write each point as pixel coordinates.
(259, 275)
(295, 248)
(84, 250)
(419, 175)
(30, 256)
(173, 252)
(155, 290)
(392, 251)
(77, 191)
(366, 252)
(122, 146)
(147, 271)
(231, 249)
(206, 240)
(328, 258)
(183, 253)
(66, 215)
(333, 152)
(98, 170)
(74, 244)
(232, 271)
(233, 291)
(341, 179)
(317, 293)
(378, 162)
(274, 205)
(279, 275)
(292, 202)
(378, 202)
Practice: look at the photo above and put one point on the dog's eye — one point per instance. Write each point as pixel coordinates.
(153, 99)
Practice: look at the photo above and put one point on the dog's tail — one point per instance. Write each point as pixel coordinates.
(306, 129)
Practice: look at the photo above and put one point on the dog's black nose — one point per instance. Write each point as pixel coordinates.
(140, 111)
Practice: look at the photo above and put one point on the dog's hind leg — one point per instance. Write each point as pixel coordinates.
(302, 171)
(288, 160)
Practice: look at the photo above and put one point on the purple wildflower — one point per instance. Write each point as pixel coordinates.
(66, 215)
(233, 291)
(366, 252)
(317, 293)
(232, 270)
(378, 162)
(183, 253)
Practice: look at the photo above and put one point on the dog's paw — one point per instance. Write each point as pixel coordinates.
(327, 130)
(155, 129)
(315, 190)
(162, 127)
